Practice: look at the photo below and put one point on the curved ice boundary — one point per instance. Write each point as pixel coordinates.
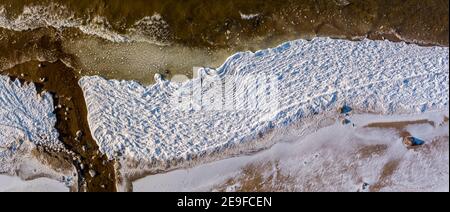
(311, 77)
(26, 120)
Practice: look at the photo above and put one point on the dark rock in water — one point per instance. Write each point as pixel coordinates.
(345, 109)
(412, 141)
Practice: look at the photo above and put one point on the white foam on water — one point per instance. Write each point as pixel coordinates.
(331, 159)
(249, 16)
(26, 120)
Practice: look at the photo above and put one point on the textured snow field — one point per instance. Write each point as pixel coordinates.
(335, 158)
(310, 77)
(15, 184)
(26, 121)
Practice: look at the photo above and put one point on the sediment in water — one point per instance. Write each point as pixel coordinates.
(123, 40)
(72, 125)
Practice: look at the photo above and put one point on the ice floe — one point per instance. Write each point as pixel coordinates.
(269, 89)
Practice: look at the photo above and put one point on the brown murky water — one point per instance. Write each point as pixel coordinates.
(399, 126)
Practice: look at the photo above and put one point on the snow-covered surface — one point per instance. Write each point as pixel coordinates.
(26, 115)
(15, 184)
(311, 77)
(249, 16)
(26, 121)
(59, 17)
(331, 159)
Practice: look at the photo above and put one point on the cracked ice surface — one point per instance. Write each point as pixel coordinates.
(311, 77)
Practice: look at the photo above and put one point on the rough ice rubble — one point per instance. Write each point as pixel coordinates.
(311, 77)
(26, 120)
